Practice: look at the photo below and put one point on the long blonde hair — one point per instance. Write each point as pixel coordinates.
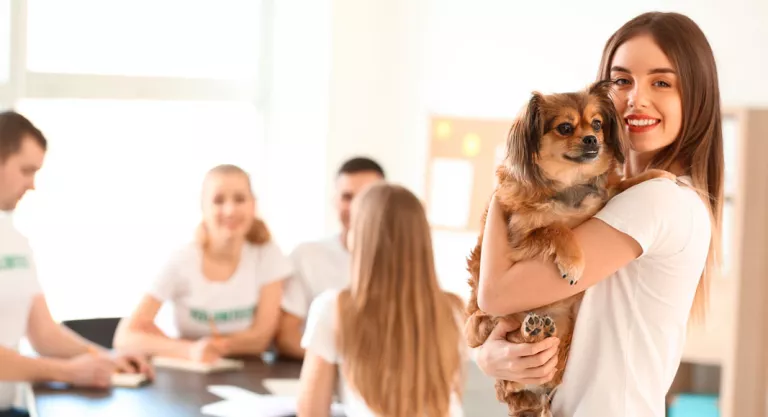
(699, 146)
(398, 331)
(258, 232)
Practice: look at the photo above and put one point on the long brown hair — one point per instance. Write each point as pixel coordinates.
(258, 233)
(398, 331)
(699, 145)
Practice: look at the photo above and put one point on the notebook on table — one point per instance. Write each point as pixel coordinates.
(220, 365)
(126, 380)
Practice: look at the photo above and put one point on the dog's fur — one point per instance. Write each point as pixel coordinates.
(552, 181)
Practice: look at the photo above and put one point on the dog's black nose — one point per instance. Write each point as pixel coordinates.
(590, 140)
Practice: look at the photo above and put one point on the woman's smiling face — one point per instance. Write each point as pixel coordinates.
(647, 94)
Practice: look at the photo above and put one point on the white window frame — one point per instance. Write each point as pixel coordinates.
(23, 84)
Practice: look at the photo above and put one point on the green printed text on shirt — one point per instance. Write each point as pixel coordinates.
(221, 316)
(10, 262)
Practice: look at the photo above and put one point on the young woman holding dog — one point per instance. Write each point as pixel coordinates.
(650, 252)
(394, 335)
(225, 287)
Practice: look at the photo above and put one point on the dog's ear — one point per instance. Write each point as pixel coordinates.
(613, 122)
(602, 88)
(614, 135)
(524, 138)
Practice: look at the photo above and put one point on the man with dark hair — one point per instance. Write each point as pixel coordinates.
(22, 147)
(64, 356)
(322, 264)
(360, 164)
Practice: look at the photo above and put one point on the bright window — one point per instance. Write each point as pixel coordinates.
(120, 190)
(171, 38)
(5, 40)
(451, 252)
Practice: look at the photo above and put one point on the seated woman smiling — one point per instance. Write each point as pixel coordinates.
(225, 287)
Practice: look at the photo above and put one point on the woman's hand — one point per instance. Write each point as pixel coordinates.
(90, 370)
(204, 350)
(128, 363)
(526, 363)
(222, 344)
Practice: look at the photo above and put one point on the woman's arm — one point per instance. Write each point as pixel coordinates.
(258, 337)
(139, 333)
(54, 340)
(529, 284)
(318, 377)
(288, 337)
(51, 339)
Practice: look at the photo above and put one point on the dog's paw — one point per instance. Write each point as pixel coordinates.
(550, 329)
(570, 270)
(532, 327)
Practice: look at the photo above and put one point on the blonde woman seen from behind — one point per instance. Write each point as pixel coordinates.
(393, 337)
(225, 287)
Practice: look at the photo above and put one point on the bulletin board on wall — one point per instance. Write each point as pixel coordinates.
(461, 169)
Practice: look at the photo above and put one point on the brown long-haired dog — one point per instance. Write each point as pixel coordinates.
(564, 154)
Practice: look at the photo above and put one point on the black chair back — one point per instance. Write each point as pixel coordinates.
(100, 331)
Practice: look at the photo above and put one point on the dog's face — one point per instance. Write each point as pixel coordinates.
(566, 138)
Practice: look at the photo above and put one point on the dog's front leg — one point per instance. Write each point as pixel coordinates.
(477, 328)
(558, 240)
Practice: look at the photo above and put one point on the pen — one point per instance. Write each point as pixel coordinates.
(214, 330)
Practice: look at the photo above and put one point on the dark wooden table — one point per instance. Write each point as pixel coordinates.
(173, 393)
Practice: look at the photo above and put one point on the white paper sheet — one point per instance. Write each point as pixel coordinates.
(282, 386)
(240, 402)
(193, 366)
(128, 380)
(450, 192)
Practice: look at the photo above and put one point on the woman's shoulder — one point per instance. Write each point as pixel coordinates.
(661, 196)
(651, 187)
(325, 302)
(320, 327)
(184, 254)
(660, 214)
(265, 250)
(267, 260)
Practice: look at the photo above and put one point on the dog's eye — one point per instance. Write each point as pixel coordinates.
(565, 129)
(596, 125)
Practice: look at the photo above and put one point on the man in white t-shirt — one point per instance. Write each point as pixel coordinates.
(63, 356)
(324, 264)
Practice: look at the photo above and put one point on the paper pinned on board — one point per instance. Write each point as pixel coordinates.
(450, 192)
(239, 402)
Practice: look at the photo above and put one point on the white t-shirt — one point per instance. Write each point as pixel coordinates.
(231, 303)
(318, 266)
(631, 329)
(320, 339)
(18, 287)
